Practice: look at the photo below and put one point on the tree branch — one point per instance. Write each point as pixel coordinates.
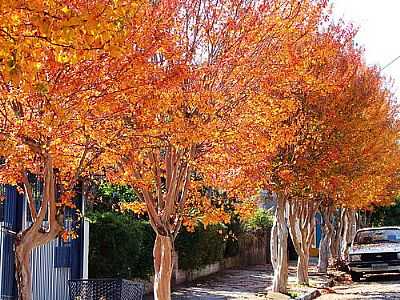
(157, 174)
(46, 196)
(29, 195)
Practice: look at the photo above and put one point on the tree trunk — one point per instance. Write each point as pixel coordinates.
(24, 244)
(302, 230)
(274, 243)
(163, 266)
(164, 205)
(323, 258)
(302, 267)
(337, 235)
(349, 232)
(36, 234)
(344, 238)
(23, 272)
(281, 268)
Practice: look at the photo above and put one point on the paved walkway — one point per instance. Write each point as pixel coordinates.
(245, 283)
(238, 283)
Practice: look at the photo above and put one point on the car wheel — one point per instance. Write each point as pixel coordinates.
(355, 276)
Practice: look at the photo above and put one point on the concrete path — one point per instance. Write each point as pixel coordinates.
(245, 283)
(240, 283)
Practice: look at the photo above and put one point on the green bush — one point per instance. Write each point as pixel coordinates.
(234, 229)
(108, 196)
(262, 220)
(387, 215)
(120, 246)
(200, 248)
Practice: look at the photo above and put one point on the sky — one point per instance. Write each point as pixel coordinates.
(379, 31)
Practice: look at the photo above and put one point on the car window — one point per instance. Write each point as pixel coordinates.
(378, 236)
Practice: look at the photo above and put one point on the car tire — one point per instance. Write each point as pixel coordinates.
(355, 276)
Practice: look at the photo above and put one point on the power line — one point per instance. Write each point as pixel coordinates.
(389, 64)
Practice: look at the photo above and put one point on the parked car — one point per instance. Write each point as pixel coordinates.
(374, 251)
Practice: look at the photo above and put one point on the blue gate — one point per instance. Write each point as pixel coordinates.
(7, 283)
(52, 264)
(8, 228)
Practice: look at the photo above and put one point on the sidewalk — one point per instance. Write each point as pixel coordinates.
(238, 283)
(247, 283)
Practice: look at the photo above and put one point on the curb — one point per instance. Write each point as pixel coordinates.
(311, 295)
(316, 293)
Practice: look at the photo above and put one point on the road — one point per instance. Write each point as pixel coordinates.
(374, 287)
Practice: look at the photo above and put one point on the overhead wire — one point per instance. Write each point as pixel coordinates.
(389, 64)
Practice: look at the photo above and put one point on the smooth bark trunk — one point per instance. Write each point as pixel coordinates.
(280, 279)
(349, 232)
(327, 227)
(36, 234)
(335, 246)
(23, 272)
(25, 243)
(302, 267)
(165, 204)
(302, 230)
(274, 243)
(163, 266)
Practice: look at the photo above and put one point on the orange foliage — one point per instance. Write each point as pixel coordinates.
(222, 107)
(136, 207)
(171, 96)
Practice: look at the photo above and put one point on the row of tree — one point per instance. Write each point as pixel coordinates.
(171, 96)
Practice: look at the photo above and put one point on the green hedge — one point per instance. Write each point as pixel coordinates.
(121, 246)
(261, 220)
(200, 248)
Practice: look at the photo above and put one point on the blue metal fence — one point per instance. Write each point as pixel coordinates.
(8, 227)
(52, 264)
(7, 282)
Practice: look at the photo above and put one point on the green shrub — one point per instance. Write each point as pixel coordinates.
(262, 219)
(200, 248)
(387, 215)
(120, 246)
(108, 196)
(234, 229)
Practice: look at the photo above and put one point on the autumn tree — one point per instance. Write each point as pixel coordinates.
(306, 173)
(330, 179)
(61, 64)
(323, 63)
(218, 102)
(327, 74)
(361, 164)
(46, 132)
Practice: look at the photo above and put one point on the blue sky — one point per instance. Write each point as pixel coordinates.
(379, 31)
